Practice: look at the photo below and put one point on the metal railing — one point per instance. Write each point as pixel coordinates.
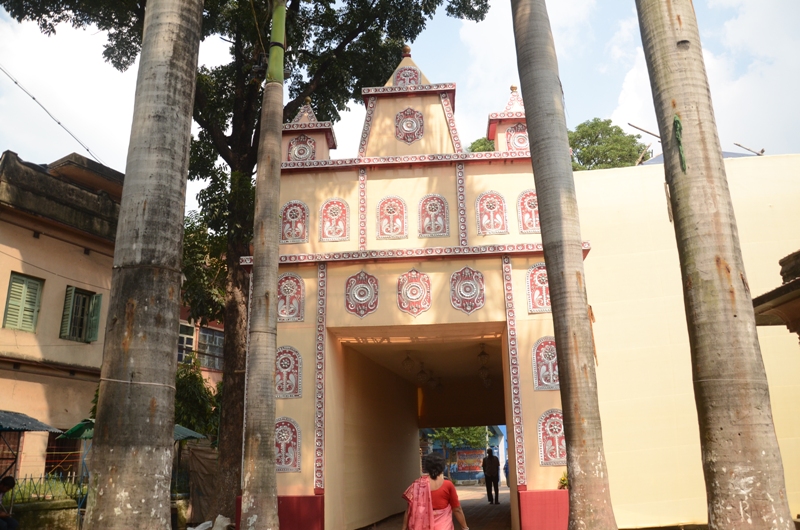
(206, 360)
(55, 486)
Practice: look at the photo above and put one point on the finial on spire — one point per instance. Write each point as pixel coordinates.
(307, 100)
(513, 88)
(406, 50)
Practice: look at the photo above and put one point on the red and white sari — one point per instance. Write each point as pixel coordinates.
(421, 515)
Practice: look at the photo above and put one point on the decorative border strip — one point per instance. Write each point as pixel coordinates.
(362, 146)
(362, 209)
(513, 361)
(507, 115)
(361, 255)
(451, 121)
(319, 381)
(405, 159)
(325, 126)
(461, 194)
(407, 89)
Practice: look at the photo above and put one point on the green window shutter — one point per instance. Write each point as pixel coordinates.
(66, 316)
(14, 303)
(93, 326)
(30, 313)
(22, 305)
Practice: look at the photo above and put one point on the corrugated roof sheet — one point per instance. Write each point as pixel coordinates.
(18, 422)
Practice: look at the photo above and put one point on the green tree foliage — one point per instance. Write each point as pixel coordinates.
(481, 145)
(194, 400)
(204, 269)
(454, 437)
(597, 144)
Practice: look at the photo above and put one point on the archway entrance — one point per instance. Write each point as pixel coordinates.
(393, 381)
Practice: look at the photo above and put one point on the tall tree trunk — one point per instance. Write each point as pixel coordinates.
(132, 450)
(589, 497)
(259, 487)
(234, 359)
(741, 460)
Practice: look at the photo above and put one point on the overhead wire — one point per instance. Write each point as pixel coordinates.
(2, 69)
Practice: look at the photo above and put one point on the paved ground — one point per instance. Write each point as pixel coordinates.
(480, 515)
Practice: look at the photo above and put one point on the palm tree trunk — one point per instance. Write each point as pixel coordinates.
(741, 460)
(589, 497)
(132, 450)
(259, 487)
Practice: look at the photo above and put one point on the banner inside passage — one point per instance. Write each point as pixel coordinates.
(470, 460)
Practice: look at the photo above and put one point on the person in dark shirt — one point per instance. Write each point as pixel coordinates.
(491, 472)
(6, 521)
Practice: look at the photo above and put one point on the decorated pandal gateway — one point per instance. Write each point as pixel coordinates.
(413, 294)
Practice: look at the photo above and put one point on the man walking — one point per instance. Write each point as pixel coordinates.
(491, 473)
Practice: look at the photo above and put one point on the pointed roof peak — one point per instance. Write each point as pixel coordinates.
(515, 103)
(514, 112)
(407, 72)
(306, 113)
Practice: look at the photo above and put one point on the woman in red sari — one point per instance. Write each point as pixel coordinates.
(432, 500)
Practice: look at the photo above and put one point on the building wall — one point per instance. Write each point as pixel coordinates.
(644, 368)
(58, 263)
(381, 441)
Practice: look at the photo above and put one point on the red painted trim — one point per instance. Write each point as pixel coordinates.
(295, 512)
(522, 487)
(402, 160)
(319, 491)
(544, 510)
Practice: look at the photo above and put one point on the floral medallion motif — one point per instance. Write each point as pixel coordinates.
(294, 222)
(334, 221)
(414, 292)
(528, 212)
(361, 294)
(538, 289)
(552, 444)
(406, 76)
(517, 138)
(466, 290)
(287, 446)
(434, 217)
(392, 218)
(288, 373)
(302, 148)
(408, 126)
(490, 208)
(291, 298)
(545, 364)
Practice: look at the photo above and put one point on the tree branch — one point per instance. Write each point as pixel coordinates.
(213, 129)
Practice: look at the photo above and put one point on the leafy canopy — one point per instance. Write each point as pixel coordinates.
(453, 437)
(597, 144)
(481, 145)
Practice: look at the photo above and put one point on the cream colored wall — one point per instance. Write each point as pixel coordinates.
(508, 178)
(441, 310)
(59, 264)
(321, 151)
(436, 131)
(59, 401)
(335, 432)
(381, 441)
(411, 185)
(314, 189)
(644, 373)
(302, 337)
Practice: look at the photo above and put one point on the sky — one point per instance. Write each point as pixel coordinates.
(750, 46)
